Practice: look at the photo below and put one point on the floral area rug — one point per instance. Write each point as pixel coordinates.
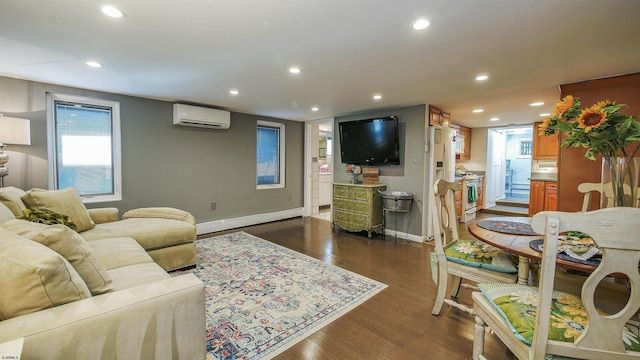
(263, 298)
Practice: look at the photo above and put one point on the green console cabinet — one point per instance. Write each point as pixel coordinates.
(358, 207)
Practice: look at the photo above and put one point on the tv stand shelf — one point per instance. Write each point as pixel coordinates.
(358, 207)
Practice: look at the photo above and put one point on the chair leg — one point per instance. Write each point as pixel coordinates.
(442, 290)
(457, 280)
(478, 339)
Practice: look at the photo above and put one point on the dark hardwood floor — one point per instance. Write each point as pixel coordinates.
(394, 324)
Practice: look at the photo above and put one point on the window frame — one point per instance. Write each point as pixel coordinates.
(282, 151)
(52, 99)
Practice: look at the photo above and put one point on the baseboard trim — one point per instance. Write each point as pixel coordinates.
(403, 236)
(233, 223)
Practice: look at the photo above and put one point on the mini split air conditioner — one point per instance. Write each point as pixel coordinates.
(188, 115)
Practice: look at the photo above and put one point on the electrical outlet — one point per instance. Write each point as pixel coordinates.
(417, 159)
(213, 206)
(289, 197)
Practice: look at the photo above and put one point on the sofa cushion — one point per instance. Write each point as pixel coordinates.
(34, 277)
(65, 201)
(119, 251)
(5, 213)
(129, 276)
(151, 233)
(11, 197)
(78, 252)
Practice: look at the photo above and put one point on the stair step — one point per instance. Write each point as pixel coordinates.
(513, 203)
(507, 210)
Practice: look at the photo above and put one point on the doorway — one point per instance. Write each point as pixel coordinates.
(509, 169)
(319, 168)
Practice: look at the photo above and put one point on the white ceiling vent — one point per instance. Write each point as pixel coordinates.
(188, 115)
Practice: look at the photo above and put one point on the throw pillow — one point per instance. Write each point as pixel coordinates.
(73, 247)
(11, 197)
(65, 201)
(518, 305)
(48, 217)
(160, 212)
(478, 254)
(34, 277)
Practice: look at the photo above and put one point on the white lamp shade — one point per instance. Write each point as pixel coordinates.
(15, 131)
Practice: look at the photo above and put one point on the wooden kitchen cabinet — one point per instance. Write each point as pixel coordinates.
(358, 207)
(545, 147)
(543, 196)
(458, 197)
(480, 194)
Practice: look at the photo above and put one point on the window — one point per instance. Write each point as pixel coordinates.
(524, 148)
(84, 146)
(270, 155)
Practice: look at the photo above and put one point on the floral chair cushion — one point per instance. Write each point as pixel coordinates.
(478, 254)
(518, 306)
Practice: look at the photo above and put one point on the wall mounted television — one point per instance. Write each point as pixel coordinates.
(370, 142)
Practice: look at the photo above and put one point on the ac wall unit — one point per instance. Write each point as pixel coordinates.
(188, 115)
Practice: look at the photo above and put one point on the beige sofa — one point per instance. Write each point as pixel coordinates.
(167, 234)
(69, 298)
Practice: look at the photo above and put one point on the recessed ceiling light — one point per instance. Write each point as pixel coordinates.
(482, 77)
(112, 12)
(234, 92)
(477, 110)
(494, 119)
(294, 70)
(421, 24)
(315, 108)
(377, 97)
(544, 114)
(539, 103)
(94, 64)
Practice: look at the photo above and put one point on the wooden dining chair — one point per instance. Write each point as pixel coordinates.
(534, 322)
(588, 189)
(462, 259)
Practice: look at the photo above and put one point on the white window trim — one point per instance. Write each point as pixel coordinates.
(51, 140)
(282, 155)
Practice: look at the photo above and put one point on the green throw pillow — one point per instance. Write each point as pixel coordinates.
(477, 254)
(48, 217)
(518, 306)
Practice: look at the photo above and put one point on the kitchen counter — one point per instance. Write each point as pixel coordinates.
(544, 177)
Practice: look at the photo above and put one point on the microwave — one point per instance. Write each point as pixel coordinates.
(459, 142)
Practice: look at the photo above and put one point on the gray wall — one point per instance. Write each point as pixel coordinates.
(162, 164)
(408, 176)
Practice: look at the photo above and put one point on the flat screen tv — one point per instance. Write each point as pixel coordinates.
(370, 141)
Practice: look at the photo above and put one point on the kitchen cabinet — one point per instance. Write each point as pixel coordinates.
(438, 117)
(545, 147)
(543, 196)
(458, 197)
(358, 207)
(480, 194)
(324, 190)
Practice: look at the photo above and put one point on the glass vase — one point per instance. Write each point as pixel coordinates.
(619, 181)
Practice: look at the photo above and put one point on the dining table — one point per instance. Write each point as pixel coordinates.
(514, 235)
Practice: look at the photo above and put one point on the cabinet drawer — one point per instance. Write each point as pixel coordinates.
(341, 204)
(360, 194)
(360, 220)
(340, 192)
(341, 217)
(360, 207)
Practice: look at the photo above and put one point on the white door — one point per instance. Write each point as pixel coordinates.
(494, 189)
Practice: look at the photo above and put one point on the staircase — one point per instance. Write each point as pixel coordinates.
(511, 206)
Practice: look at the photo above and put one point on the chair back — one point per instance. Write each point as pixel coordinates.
(616, 231)
(445, 219)
(588, 189)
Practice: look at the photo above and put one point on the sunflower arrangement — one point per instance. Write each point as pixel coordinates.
(599, 128)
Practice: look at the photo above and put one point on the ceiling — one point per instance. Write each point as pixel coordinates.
(196, 51)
